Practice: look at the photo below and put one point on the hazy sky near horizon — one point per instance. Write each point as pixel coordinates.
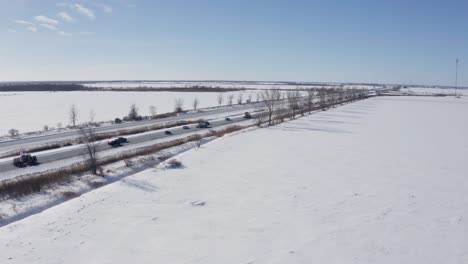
(414, 42)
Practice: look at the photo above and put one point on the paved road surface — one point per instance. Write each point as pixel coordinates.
(45, 158)
(44, 139)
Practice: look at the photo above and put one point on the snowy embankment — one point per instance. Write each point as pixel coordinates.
(378, 181)
(14, 209)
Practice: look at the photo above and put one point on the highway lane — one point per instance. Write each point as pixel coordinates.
(67, 153)
(68, 135)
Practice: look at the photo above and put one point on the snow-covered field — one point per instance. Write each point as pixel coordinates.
(178, 84)
(431, 91)
(378, 181)
(30, 111)
(221, 84)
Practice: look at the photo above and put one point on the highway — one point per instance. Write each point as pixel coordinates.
(28, 142)
(70, 152)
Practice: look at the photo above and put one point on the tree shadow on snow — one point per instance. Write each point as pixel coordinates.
(309, 128)
(141, 185)
(336, 115)
(352, 111)
(328, 121)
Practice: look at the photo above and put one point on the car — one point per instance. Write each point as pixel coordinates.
(204, 124)
(25, 159)
(247, 115)
(117, 141)
(227, 119)
(185, 127)
(122, 140)
(167, 132)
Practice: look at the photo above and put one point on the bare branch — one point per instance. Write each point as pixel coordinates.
(73, 114)
(220, 99)
(88, 137)
(271, 99)
(178, 104)
(195, 103)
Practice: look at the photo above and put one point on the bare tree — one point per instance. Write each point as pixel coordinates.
(355, 94)
(88, 137)
(249, 98)
(333, 97)
(340, 97)
(323, 97)
(59, 125)
(310, 100)
(178, 105)
(46, 128)
(195, 103)
(293, 102)
(153, 110)
(220, 99)
(239, 98)
(13, 132)
(270, 98)
(230, 99)
(73, 114)
(92, 115)
(133, 113)
(260, 118)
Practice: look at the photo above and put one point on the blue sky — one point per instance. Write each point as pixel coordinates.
(413, 42)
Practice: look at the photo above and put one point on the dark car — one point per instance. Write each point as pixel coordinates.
(227, 119)
(122, 140)
(167, 132)
(25, 159)
(117, 141)
(204, 124)
(185, 127)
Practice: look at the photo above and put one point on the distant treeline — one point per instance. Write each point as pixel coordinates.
(195, 88)
(41, 87)
(62, 87)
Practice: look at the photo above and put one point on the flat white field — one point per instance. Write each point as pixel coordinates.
(30, 111)
(179, 84)
(378, 181)
(432, 91)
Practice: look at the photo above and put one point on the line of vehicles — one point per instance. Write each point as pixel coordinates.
(27, 159)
